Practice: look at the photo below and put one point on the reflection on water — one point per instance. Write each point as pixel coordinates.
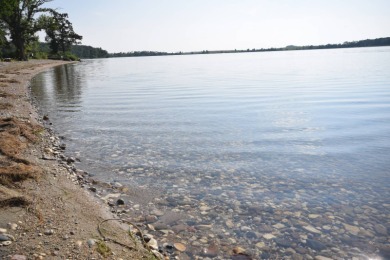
(283, 154)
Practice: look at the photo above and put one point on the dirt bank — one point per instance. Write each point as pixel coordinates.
(44, 213)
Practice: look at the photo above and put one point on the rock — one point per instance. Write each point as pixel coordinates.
(6, 243)
(48, 232)
(45, 117)
(157, 212)
(297, 257)
(91, 242)
(117, 185)
(180, 247)
(320, 257)
(150, 219)
(93, 189)
(204, 227)
(314, 244)
(260, 245)
(152, 243)
(312, 229)
(283, 242)
(4, 238)
(229, 223)
(238, 250)
(18, 257)
(12, 226)
(3, 230)
(352, 229)
(120, 202)
(313, 216)
(211, 251)
(380, 229)
(268, 236)
(279, 226)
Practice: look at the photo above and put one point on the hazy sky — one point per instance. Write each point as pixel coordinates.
(192, 25)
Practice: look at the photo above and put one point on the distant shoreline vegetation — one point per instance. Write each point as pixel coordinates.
(89, 52)
(354, 44)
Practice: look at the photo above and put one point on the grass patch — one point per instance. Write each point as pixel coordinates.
(103, 249)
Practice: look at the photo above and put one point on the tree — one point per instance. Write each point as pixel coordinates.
(59, 32)
(19, 16)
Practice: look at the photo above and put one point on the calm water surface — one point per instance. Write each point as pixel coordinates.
(252, 144)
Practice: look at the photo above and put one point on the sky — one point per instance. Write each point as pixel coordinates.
(196, 25)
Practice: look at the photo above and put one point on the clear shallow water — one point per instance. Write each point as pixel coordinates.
(252, 138)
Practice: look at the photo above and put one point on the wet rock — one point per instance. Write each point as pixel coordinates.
(120, 202)
(312, 229)
(314, 244)
(160, 226)
(260, 245)
(180, 247)
(282, 242)
(268, 236)
(150, 219)
(250, 235)
(319, 257)
(265, 229)
(229, 223)
(352, 229)
(211, 251)
(279, 226)
(238, 250)
(380, 229)
(179, 228)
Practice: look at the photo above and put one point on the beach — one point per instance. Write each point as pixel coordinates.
(44, 211)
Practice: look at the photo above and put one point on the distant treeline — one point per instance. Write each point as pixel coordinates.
(363, 43)
(81, 51)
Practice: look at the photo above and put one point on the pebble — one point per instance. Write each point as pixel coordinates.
(180, 247)
(152, 243)
(352, 229)
(316, 245)
(48, 232)
(268, 236)
(380, 229)
(6, 243)
(319, 257)
(4, 238)
(238, 250)
(260, 245)
(312, 229)
(18, 257)
(91, 242)
(3, 230)
(13, 226)
(279, 226)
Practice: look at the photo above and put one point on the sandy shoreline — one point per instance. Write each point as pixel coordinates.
(44, 213)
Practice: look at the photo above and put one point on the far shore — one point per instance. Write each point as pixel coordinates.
(44, 212)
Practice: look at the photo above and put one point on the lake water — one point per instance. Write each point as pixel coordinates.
(285, 154)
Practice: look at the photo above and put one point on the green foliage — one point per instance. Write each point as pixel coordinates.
(19, 17)
(88, 52)
(59, 32)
